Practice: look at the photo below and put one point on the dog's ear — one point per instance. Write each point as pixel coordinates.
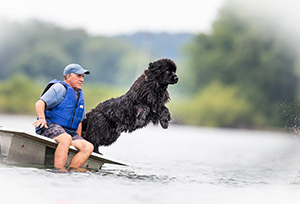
(156, 67)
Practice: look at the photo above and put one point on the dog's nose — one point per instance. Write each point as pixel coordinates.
(176, 79)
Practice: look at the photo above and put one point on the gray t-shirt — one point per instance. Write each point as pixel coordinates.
(55, 95)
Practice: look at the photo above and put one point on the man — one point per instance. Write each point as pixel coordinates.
(60, 111)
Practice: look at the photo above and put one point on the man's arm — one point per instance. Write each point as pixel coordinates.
(79, 129)
(40, 111)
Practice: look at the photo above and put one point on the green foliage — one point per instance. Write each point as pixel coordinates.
(95, 93)
(219, 106)
(41, 50)
(18, 95)
(104, 57)
(47, 57)
(247, 55)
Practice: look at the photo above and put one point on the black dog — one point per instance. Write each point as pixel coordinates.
(142, 104)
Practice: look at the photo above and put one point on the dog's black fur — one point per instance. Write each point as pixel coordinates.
(143, 103)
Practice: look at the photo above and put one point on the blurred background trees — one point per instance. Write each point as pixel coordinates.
(244, 73)
(250, 58)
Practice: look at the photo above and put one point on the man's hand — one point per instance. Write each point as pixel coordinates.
(41, 122)
(40, 109)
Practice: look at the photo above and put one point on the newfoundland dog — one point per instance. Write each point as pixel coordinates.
(143, 103)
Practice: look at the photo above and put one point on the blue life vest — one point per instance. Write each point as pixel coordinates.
(69, 112)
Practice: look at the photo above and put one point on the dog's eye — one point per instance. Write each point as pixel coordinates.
(168, 72)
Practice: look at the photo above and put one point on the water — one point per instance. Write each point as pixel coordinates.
(178, 165)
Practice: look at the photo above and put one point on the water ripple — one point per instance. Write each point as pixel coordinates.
(128, 174)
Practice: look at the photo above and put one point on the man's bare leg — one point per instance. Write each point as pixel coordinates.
(61, 153)
(85, 150)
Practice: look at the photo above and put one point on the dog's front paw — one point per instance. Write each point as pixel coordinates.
(164, 124)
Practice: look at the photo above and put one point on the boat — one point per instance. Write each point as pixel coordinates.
(29, 149)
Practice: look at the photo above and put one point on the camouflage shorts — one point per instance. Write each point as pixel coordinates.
(55, 130)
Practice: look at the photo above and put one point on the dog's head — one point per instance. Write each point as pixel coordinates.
(163, 70)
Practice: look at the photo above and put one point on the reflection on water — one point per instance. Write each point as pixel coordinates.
(169, 166)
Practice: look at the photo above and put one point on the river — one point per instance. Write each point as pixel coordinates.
(178, 165)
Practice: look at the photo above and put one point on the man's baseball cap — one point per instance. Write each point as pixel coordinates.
(75, 68)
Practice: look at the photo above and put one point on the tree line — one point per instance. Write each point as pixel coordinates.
(41, 50)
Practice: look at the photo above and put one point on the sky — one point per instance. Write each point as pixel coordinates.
(113, 17)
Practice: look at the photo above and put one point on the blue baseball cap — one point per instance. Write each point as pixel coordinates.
(75, 68)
